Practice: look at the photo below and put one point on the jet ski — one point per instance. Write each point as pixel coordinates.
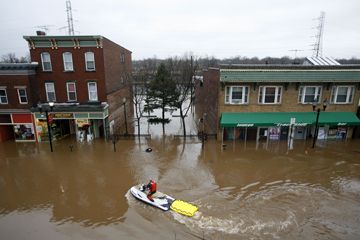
(161, 200)
(164, 201)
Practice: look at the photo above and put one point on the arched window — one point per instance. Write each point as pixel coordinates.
(68, 62)
(46, 61)
(90, 61)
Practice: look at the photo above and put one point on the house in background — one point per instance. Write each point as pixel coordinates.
(16, 98)
(87, 77)
(257, 102)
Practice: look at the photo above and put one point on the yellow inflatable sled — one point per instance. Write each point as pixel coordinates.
(184, 208)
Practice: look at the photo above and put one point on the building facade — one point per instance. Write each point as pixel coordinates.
(87, 77)
(273, 102)
(16, 98)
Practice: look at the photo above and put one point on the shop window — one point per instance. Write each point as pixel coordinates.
(237, 95)
(71, 91)
(90, 61)
(46, 61)
(68, 62)
(310, 94)
(342, 94)
(92, 88)
(270, 94)
(50, 92)
(24, 132)
(3, 96)
(22, 96)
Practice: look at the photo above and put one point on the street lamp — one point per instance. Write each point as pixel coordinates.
(46, 110)
(316, 132)
(126, 128)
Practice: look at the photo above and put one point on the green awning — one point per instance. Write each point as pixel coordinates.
(255, 119)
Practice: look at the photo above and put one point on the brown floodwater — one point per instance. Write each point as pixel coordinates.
(245, 191)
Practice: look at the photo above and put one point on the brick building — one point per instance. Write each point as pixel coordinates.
(16, 98)
(87, 77)
(258, 101)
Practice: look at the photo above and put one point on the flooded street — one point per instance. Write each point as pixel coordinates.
(242, 191)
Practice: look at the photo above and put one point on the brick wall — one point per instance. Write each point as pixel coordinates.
(206, 100)
(79, 75)
(289, 101)
(10, 82)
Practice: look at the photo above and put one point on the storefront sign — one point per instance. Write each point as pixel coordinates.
(63, 115)
(288, 124)
(82, 122)
(341, 124)
(245, 125)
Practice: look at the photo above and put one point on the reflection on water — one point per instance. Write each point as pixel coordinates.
(243, 191)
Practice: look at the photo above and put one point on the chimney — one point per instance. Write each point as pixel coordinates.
(40, 33)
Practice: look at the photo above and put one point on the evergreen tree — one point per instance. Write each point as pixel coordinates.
(162, 94)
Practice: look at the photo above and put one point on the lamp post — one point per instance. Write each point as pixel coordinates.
(316, 132)
(126, 128)
(46, 110)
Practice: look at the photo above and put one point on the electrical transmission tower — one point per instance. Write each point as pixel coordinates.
(317, 50)
(69, 18)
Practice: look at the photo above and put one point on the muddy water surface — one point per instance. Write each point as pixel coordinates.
(243, 192)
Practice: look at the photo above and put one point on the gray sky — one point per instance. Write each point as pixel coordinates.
(166, 28)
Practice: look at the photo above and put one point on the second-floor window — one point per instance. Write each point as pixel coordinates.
(342, 94)
(309, 94)
(92, 88)
(270, 94)
(68, 62)
(71, 91)
(22, 95)
(122, 57)
(46, 61)
(90, 61)
(50, 92)
(237, 95)
(3, 96)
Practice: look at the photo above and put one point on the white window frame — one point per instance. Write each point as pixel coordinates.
(68, 92)
(302, 94)
(43, 60)
(68, 68)
(278, 96)
(349, 94)
(18, 91)
(87, 54)
(89, 92)
(244, 95)
(2, 96)
(47, 92)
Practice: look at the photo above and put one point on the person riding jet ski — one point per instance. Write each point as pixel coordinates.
(151, 186)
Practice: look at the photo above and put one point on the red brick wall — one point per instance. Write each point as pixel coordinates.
(80, 75)
(206, 99)
(117, 73)
(10, 81)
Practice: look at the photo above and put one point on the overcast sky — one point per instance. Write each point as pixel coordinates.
(165, 28)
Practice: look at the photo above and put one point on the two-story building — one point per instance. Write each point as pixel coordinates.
(254, 102)
(16, 98)
(87, 77)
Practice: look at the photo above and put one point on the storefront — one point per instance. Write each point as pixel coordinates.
(272, 126)
(17, 126)
(85, 126)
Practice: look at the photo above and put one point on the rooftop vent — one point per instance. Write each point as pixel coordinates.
(40, 33)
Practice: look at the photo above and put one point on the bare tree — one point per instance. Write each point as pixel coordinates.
(183, 72)
(11, 58)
